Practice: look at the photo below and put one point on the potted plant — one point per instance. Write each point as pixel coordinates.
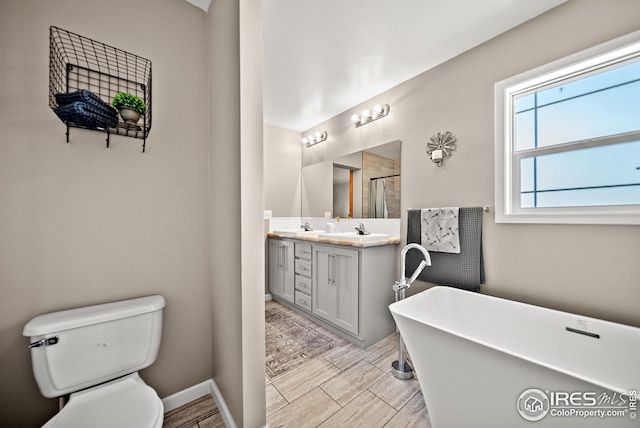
(130, 107)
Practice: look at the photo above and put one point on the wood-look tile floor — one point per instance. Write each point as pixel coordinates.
(200, 413)
(345, 387)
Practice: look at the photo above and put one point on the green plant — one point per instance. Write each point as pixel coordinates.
(123, 99)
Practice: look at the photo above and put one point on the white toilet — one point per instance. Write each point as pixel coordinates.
(94, 353)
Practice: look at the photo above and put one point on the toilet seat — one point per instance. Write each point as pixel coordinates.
(124, 402)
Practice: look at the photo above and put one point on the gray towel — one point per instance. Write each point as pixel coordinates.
(464, 270)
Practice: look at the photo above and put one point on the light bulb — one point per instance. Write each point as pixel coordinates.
(310, 138)
(305, 141)
(377, 110)
(355, 118)
(318, 134)
(366, 114)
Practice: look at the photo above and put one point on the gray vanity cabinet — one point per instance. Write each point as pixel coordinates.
(281, 269)
(335, 286)
(343, 287)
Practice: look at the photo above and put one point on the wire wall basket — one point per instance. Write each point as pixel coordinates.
(85, 76)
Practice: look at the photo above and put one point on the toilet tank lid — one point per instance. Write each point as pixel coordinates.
(73, 318)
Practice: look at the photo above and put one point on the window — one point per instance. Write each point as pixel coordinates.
(568, 139)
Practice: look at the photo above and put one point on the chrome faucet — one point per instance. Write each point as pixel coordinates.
(361, 230)
(403, 284)
(401, 369)
(306, 226)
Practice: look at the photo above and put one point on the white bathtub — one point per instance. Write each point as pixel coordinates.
(487, 362)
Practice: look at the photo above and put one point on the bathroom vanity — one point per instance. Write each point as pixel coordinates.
(345, 285)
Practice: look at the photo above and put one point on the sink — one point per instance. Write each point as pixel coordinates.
(354, 236)
(299, 232)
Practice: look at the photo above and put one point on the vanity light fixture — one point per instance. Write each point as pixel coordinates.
(378, 111)
(313, 139)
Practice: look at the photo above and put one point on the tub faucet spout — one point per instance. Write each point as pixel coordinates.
(404, 283)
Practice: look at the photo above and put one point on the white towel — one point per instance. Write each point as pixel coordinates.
(439, 229)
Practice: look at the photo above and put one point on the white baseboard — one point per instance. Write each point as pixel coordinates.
(185, 396)
(194, 392)
(222, 406)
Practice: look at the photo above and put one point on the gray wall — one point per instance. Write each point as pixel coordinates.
(81, 224)
(236, 200)
(588, 269)
(282, 182)
(317, 180)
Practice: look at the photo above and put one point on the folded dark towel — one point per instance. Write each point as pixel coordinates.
(464, 270)
(92, 102)
(83, 115)
(84, 96)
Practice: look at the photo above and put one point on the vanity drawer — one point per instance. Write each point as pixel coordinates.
(303, 267)
(303, 300)
(303, 284)
(303, 250)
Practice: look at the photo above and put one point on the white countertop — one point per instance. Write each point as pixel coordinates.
(337, 241)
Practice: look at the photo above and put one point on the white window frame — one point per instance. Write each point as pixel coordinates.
(507, 162)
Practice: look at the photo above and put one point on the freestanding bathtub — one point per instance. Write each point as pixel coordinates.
(488, 362)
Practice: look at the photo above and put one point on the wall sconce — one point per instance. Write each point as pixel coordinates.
(313, 139)
(367, 116)
(441, 146)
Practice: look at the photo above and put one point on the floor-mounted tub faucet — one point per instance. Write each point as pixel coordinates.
(401, 369)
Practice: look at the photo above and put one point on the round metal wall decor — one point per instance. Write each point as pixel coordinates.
(441, 146)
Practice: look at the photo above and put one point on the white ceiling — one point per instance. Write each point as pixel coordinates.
(322, 57)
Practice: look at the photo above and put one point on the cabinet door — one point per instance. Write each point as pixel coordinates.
(276, 284)
(288, 270)
(335, 286)
(345, 281)
(322, 284)
(281, 269)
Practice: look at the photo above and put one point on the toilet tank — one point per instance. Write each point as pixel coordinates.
(78, 348)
